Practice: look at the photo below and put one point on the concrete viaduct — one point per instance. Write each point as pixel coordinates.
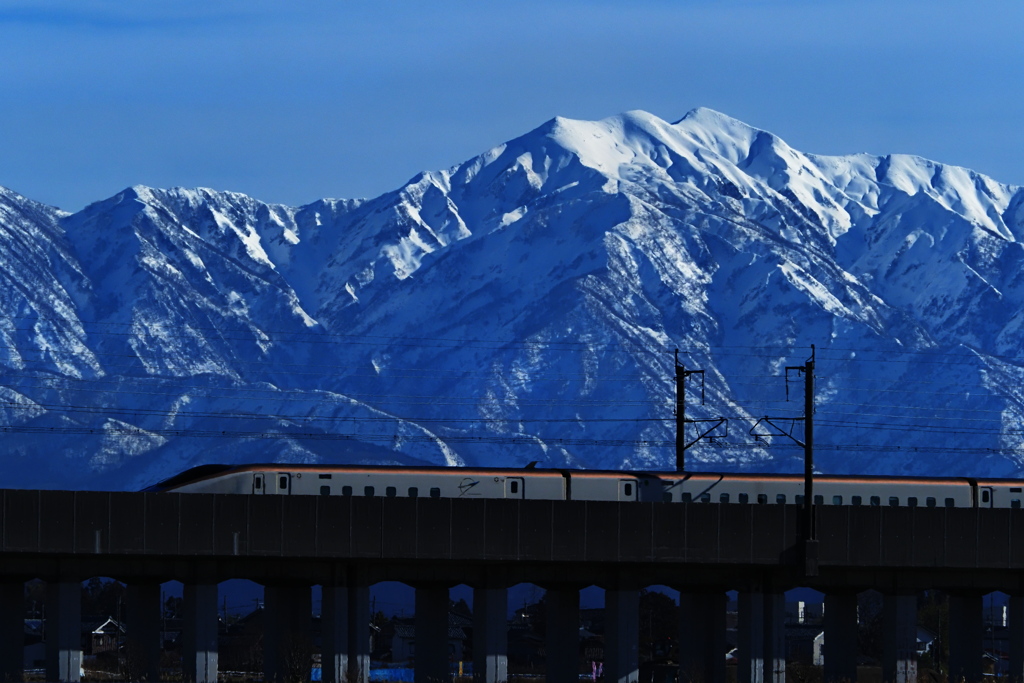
(345, 544)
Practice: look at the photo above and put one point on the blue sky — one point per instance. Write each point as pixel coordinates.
(290, 102)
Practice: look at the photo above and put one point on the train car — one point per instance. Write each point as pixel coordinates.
(621, 486)
(544, 484)
(879, 491)
(999, 493)
(391, 482)
(828, 490)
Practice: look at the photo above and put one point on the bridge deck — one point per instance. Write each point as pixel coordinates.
(251, 535)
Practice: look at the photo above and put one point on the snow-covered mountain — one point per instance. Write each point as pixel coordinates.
(522, 306)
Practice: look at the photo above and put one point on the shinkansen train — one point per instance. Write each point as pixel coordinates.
(545, 484)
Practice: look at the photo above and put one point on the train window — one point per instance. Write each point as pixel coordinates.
(819, 500)
(1016, 489)
(1015, 503)
(346, 490)
(325, 490)
(435, 492)
(780, 498)
(744, 498)
(705, 497)
(626, 489)
(257, 482)
(930, 501)
(513, 487)
(391, 492)
(798, 499)
(950, 503)
(368, 491)
(912, 502)
(414, 492)
(666, 497)
(837, 500)
(325, 476)
(875, 501)
(724, 498)
(686, 497)
(855, 500)
(894, 501)
(283, 482)
(762, 498)
(985, 495)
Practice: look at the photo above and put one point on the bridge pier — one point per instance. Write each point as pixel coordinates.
(750, 637)
(702, 637)
(63, 631)
(841, 635)
(563, 633)
(199, 657)
(775, 637)
(622, 635)
(1016, 635)
(490, 634)
(12, 630)
(1016, 645)
(359, 632)
(432, 634)
(761, 637)
(345, 630)
(287, 631)
(966, 637)
(342, 658)
(333, 634)
(142, 614)
(899, 638)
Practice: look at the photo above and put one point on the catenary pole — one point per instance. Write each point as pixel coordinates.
(680, 416)
(811, 541)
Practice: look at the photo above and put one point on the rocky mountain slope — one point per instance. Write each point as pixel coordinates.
(522, 306)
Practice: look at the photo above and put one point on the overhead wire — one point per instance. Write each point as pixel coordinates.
(33, 379)
(151, 412)
(361, 370)
(308, 395)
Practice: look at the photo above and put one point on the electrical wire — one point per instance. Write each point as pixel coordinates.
(952, 420)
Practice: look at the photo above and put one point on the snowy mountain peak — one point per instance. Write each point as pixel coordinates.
(712, 130)
(523, 305)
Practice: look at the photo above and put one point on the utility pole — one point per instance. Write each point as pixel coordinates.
(680, 416)
(810, 532)
(811, 540)
(681, 445)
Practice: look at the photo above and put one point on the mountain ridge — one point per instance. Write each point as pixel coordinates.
(523, 305)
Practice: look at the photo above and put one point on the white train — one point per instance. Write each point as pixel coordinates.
(544, 484)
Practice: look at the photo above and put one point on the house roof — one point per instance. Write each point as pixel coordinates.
(111, 625)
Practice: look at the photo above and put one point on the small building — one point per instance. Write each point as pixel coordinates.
(105, 636)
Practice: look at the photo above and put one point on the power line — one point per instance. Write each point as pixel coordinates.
(529, 440)
(362, 370)
(169, 413)
(307, 395)
(520, 439)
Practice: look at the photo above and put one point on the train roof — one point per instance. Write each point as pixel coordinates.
(209, 471)
(189, 476)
